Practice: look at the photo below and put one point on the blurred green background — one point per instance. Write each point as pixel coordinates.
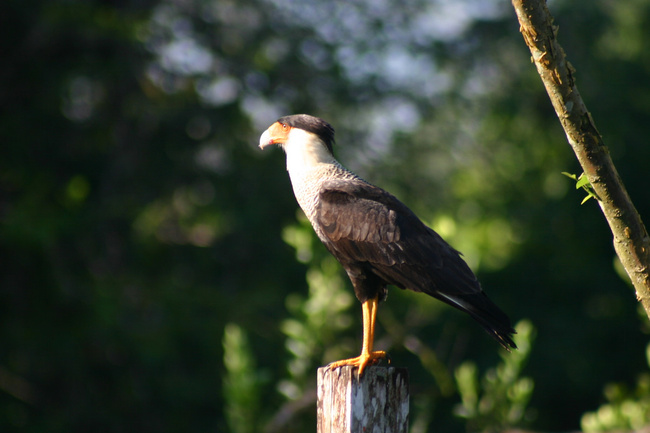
(156, 274)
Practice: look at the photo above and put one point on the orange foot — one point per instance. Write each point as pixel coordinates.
(361, 361)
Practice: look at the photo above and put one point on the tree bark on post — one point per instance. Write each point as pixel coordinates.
(378, 402)
(631, 240)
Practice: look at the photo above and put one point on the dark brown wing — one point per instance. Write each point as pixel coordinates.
(364, 225)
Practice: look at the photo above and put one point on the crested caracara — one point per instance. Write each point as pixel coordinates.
(378, 240)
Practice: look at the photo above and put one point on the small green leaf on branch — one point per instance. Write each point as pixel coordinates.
(583, 182)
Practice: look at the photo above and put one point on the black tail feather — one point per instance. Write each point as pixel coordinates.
(488, 315)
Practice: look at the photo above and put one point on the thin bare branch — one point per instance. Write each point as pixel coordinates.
(631, 240)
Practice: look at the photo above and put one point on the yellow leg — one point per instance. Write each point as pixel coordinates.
(368, 356)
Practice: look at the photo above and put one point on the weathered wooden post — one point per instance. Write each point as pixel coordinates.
(377, 403)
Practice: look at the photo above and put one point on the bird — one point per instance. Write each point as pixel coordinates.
(376, 238)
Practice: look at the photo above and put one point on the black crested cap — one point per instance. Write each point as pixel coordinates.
(312, 124)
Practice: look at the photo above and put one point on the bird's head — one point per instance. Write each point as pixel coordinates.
(300, 129)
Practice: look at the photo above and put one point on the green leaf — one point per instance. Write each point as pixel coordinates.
(569, 175)
(583, 182)
(584, 200)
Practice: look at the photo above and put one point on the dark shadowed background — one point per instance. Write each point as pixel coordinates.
(156, 274)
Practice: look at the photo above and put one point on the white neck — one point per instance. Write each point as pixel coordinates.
(309, 164)
(305, 151)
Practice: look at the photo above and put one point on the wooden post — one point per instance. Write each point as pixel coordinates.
(378, 403)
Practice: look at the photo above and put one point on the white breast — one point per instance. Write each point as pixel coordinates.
(309, 164)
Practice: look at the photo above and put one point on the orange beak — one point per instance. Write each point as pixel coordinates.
(278, 133)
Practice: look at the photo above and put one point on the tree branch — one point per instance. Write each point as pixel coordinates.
(631, 240)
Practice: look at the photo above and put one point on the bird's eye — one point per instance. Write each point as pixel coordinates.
(284, 126)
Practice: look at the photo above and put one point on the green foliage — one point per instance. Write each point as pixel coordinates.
(315, 321)
(626, 410)
(499, 400)
(583, 182)
(241, 384)
(487, 243)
